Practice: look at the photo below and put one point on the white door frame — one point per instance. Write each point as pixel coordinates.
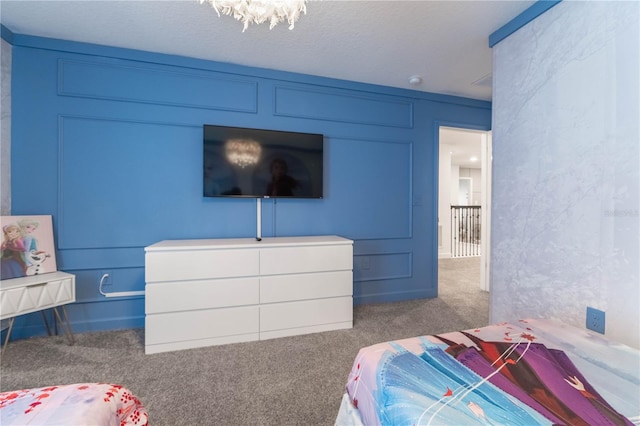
(485, 184)
(485, 221)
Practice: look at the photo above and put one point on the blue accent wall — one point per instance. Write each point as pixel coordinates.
(109, 142)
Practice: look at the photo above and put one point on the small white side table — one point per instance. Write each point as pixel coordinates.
(19, 296)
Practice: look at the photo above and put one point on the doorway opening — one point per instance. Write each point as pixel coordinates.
(464, 209)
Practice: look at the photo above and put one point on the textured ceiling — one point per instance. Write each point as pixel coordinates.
(378, 42)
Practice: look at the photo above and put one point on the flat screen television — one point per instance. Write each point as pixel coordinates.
(257, 163)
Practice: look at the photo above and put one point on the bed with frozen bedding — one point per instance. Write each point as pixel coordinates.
(72, 405)
(529, 372)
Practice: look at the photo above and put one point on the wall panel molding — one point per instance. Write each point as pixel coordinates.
(382, 197)
(382, 266)
(393, 296)
(97, 191)
(342, 106)
(88, 259)
(128, 83)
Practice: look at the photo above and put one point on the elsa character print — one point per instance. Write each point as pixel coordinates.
(12, 260)
(33, 256)
(27, 226)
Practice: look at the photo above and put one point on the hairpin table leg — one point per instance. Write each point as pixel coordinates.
(65, 324)
(6, 339)
(46, 322)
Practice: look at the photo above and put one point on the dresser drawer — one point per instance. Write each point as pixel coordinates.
(200, 264)
(292, 260)
(204, 294)
(280, 316)
(200, 325)
(35, 297)
(282, 288)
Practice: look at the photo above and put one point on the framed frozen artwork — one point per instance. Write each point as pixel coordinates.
(28, 247)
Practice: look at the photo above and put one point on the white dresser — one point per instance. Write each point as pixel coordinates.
(211, 292)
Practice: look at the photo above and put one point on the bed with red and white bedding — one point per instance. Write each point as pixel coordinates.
(73, 405)
(530, 372)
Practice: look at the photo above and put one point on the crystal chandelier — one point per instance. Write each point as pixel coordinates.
(259, 11)
(242, 152)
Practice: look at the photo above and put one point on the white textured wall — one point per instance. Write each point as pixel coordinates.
(5, 126)
(565, 221)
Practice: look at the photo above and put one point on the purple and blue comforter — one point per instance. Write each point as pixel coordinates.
(535, 372)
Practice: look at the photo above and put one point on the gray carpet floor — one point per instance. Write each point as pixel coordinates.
(287, 381)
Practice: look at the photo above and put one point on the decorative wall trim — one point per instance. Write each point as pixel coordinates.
(82, 48)
(105, 323)
(393, 296)
(373, 158)
(537, 9)
(31, 325)
(89, 259)
(97, 80)
(135, 137)
(6, 34)
(103, 299)
(342, 106)
(382, 266)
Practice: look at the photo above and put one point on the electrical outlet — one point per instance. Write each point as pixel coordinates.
(108, 277)
(595, 320)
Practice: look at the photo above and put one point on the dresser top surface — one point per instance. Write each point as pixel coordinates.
(34, 280)
(238, 243)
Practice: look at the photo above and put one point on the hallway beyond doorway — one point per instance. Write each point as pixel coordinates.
(459, 284)
(461, 273)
